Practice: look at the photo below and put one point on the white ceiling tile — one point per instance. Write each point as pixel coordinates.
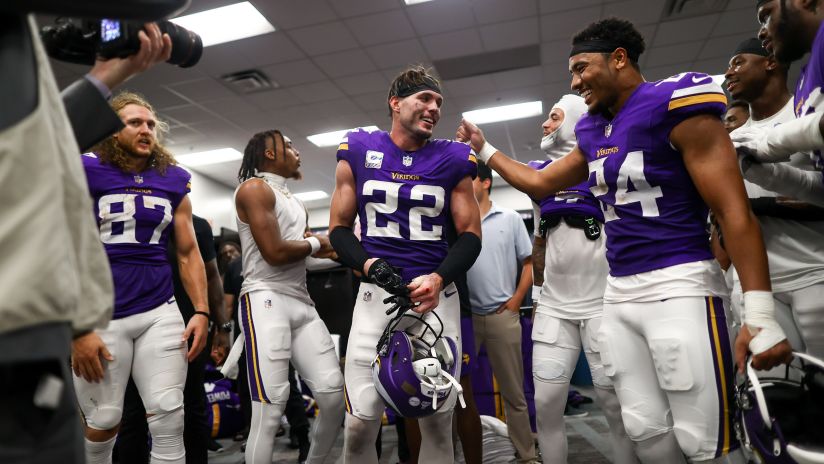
(317, 91)
(229, 106)
(289, 14)
(381, 28)
(294, 73)
(349, 8)
(201, 90)
(323, 38)
(363, 83)
(565, 24)
(741, 21)
(638, 11)
(156, 94)
(554, 6)
(468, 86)
(272, 99)
(556, 74)
(683, 30)
(224, 58)
(501, 36)
(397, 53)
(722, 47)
(524, 77)
(345, 63)
(741, 4)
(493, 11)
(373, 101)
(441, 16)
(453, 44)
(187, 114)
(556, 53)
(672, 54)
(271, 48)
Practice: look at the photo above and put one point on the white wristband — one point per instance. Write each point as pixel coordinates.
(314, 243)
(486, 152)
(759, 313)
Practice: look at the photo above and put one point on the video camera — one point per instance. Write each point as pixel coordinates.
(82, 41)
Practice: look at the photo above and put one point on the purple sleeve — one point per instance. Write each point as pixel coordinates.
(183, 184)
(467, 162)
(687, 95)
(347, 147)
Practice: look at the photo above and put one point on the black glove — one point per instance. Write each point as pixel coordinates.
(387, 277)
(399, 303)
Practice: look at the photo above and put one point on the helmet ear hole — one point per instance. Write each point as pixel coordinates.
(444, 353)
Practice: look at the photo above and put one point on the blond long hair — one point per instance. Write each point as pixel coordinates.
(111, 152)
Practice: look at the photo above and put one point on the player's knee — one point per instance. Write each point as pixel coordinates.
(689, 439)
(641, 425)
(672, 364)
(105, 419)
(166, 400)
(277, 393)
(330, 381)
(550, 370)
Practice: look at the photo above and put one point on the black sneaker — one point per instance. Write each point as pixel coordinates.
(572, 411)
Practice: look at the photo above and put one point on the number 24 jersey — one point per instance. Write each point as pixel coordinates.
(654, 215)
(403, 198)
(134, 213)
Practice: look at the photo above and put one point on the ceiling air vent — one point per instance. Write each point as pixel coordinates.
(249, 81)
(680, 9)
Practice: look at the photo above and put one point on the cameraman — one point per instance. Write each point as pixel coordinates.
(55, 282)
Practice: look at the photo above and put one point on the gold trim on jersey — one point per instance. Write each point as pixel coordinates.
(696, 99)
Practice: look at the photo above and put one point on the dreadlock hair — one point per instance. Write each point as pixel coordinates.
(253, 153)
(111, 152)
(414, 76)
(617, 30)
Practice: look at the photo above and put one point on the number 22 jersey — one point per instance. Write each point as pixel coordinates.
(654, 216)
(403, 198)
(134, 212)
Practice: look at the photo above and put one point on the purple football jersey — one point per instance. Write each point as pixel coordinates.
(404, 197)
(654, 216)
(135, 213)
(808, 98)
(577, 200)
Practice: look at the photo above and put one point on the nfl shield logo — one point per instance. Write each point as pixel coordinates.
(407, 160)
(608, 130)
(138, 179)
(267, 304)
(367, 296)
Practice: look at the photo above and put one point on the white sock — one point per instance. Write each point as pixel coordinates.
(99, 452)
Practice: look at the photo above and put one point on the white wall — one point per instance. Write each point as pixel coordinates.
(503, 195)
(212, 201)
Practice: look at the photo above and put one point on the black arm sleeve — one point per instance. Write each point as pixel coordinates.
(348, 247)
(461, 257)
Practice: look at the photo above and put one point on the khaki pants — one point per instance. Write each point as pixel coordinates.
(501, 334)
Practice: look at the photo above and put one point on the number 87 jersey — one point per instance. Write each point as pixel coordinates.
(654, 216)
(403, 198)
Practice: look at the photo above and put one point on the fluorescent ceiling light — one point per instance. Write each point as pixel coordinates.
(221, 155)
(412, 2)
(227, 23)
(505, 113)
(328, 139)
(311, 195)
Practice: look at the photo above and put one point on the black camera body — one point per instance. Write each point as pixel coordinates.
(83, 41)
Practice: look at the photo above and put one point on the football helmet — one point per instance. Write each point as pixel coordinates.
(780, 419)
(415, 367)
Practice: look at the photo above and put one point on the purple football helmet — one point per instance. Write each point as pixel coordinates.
(780, 419)
(415, 368)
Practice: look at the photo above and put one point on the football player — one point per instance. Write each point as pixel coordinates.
(789, 30)
(278, 319)
(573, 274)
(139, 192)
(664, 335)
(792, 234)
(404, 187)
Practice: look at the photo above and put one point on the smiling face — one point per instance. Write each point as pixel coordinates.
(593, 77)
(139, 137)
(417, 114)
(746, 76)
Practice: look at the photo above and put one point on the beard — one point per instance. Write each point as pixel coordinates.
(792, 46)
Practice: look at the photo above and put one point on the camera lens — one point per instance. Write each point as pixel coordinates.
(187, 47)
